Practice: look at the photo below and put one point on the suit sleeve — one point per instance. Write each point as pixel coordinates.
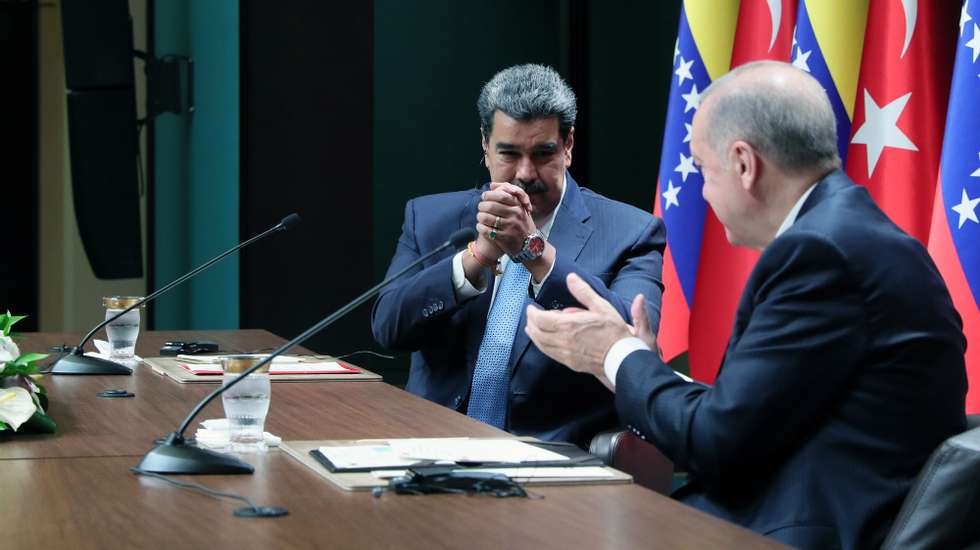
(640, 273)
(406, 312)
(789, 364)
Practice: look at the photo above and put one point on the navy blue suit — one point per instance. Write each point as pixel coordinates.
(844, 371)
(617, 248)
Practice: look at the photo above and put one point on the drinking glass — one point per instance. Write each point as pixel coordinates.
(246, 403)
(123, 332)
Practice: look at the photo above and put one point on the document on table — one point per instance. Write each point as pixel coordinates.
(537, 472)
(511, 451)
(399, 453)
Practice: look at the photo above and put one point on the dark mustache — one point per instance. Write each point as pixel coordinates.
(532, 187)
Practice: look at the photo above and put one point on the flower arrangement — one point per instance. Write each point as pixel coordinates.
(22, 398)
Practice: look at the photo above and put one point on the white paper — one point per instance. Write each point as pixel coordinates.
(323, 367)
(472, 450)
(213, 433)
(105, 352)
(364, 456)
(554, 472)
(216, 359)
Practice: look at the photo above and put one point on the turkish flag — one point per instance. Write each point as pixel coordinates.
(764, 31)
(900, 108)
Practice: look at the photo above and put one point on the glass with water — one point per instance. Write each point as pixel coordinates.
(246, 403)
(123, 332)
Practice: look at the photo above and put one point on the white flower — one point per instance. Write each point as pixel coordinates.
(16, 406)
(8, 349)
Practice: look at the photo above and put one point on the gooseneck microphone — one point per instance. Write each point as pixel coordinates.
(76, 362)
(175, 456)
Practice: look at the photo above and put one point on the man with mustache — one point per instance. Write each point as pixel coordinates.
(462, 315)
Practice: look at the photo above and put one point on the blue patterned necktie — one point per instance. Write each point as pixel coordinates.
(491, 377)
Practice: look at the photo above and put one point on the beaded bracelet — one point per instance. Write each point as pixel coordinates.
(485, 262)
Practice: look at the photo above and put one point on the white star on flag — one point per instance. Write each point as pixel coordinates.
(976, 173)
(687, 136)
(967, 209)
(974, 43)
(670, 195)
(692, 99)
(964, 16)
(880, 128)
(685, 167)
(683, 71)
(801, 59)
(677, 47)
(793, 45)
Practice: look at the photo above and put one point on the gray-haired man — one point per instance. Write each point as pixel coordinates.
(462, 315)
(845, 366)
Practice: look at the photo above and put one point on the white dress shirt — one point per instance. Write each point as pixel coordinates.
(625, 346)
(465, 290)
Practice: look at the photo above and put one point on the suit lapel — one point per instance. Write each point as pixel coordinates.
(568, 235)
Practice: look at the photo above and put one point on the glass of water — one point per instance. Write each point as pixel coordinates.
(123, 332)
(246, 403)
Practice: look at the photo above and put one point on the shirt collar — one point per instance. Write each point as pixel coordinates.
(795, 211)
(545, 228)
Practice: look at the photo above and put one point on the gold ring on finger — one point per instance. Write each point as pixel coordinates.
(496, 223)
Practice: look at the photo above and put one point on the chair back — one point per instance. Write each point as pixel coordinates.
(942, 510)
(627, 453)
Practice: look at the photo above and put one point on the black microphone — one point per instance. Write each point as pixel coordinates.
(76, 362)
(175, 456)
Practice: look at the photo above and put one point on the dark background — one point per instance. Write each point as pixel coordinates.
(349, 109)
(367, 105)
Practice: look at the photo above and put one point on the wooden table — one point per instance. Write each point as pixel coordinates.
(75, 486)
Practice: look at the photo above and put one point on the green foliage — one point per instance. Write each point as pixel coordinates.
(7, 320)
(25, 369)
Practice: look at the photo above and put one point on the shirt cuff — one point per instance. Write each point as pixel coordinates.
(536, 286)
(618, 353)
(461, 285)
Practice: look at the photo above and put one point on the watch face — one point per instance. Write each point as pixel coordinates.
(535, 245)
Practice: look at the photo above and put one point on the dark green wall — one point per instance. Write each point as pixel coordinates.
(430, 60)
(432, 57)
(195, 165)
(419, 128)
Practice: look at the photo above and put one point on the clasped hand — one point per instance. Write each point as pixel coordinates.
(580, 338)
(503, 219)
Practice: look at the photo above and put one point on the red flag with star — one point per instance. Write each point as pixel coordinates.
(900, 108)
(764, 31)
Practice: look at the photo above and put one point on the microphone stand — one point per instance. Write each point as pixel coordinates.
(176, 456)
(76, 362)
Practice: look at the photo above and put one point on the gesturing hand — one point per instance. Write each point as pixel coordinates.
(579, 338)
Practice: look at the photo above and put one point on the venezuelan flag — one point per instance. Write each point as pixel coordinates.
(828, 42)
(703, 52)
(954, 239)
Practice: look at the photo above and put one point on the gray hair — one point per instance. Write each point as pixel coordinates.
(792, 126)
(527, 92)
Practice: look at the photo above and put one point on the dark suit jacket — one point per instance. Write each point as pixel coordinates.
(616, 247)
(844, 371)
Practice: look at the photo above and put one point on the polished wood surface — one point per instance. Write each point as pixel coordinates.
(76, 485)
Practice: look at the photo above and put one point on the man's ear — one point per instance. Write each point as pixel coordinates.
(745, 163)
(569, 143)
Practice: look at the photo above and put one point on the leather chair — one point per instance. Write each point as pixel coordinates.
(627, 453)
(942, 510)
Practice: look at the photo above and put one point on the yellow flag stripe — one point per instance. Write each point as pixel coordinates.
(839, 27)
(712, 24)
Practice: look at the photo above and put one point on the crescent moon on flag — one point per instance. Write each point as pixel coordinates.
(911, 8)
(776, 16)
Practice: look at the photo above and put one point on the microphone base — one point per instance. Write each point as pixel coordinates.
(171, 458)
(83, 364)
